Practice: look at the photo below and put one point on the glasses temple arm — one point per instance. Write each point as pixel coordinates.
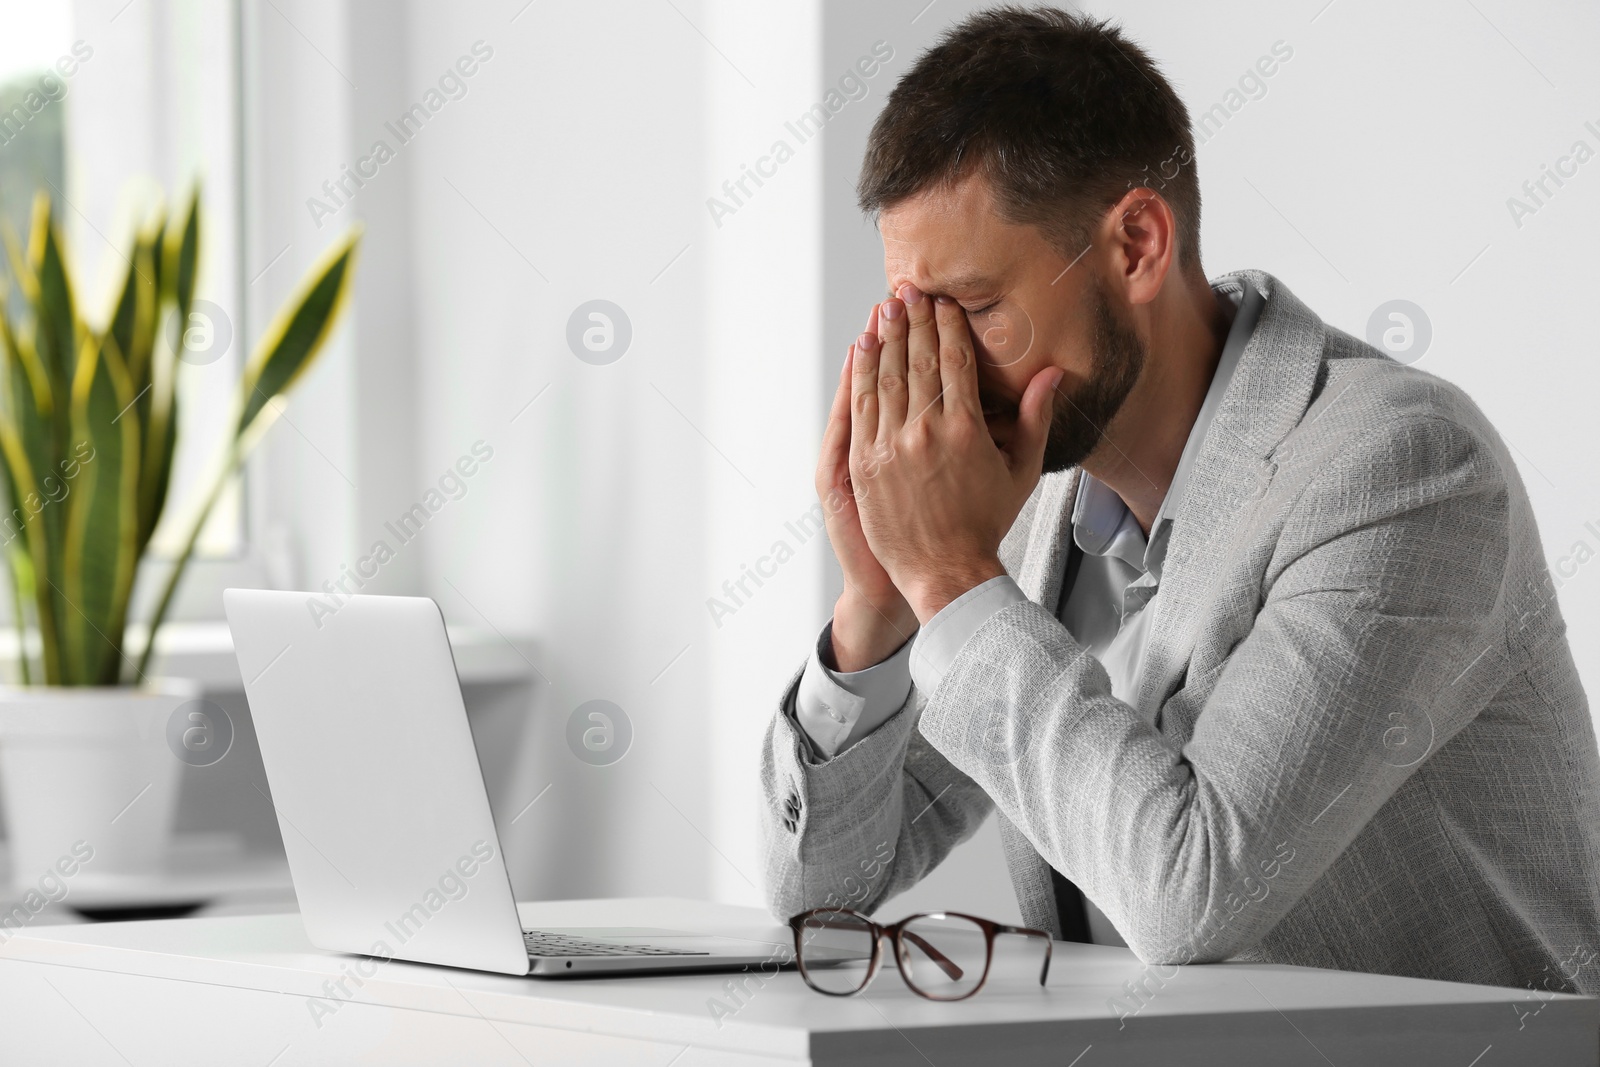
(840, 924)
(1028, 931)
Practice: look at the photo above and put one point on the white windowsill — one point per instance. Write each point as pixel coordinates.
(204, 651)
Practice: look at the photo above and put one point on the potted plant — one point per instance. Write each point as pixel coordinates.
(88, 427)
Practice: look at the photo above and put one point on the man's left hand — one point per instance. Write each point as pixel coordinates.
(936, 495)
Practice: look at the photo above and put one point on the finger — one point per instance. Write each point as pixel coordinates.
(1033, 421)
(957, 366)
(864, 394)
(835, 450)
(891, 368)
(922, 352)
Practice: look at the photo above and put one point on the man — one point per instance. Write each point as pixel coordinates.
(1266, 665)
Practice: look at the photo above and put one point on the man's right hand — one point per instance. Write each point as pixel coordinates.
(871, 619)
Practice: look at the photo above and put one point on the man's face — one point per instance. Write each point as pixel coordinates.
(1028, 308)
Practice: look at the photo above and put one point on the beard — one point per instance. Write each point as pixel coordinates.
(1081, 415)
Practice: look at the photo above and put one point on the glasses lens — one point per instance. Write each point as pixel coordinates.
(835, 949)
(945, 956)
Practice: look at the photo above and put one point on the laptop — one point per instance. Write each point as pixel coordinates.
(381, 802)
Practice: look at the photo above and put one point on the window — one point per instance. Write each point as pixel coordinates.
(114, 109)
(32, 151)
(153, 107)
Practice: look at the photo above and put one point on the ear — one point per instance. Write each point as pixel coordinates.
(1141, 233)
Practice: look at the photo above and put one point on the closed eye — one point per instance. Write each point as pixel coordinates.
(987, 307)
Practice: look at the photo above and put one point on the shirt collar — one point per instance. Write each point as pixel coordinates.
(1101, 523)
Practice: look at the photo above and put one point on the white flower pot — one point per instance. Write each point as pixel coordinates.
(89, 766)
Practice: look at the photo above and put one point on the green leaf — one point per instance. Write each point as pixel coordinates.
(142, 374)
(13, 528)
(14, 252)
(158, 408)
(181, 257)
(294, 337)
(27, 386)
(22, 489)
(155, 473)
(56, 329)
(134, 320)
(285, 352)
(18, 560)
(102, 524)
(27, 409)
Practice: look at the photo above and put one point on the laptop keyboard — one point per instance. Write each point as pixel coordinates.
(544, 943)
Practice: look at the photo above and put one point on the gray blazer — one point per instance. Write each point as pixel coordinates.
(1360, 740)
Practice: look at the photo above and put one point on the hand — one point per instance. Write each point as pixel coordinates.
(871, 619)
(936, 493)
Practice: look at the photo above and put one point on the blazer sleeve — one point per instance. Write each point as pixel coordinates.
(856, 829)
(1385, 589)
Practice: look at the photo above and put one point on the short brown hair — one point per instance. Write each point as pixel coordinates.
(1062, 114)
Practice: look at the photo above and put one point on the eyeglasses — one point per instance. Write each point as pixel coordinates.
(942, 955)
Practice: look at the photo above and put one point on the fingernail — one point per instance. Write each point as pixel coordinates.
(944, 299)
(910, 293)
(892, 309)
(866, 340)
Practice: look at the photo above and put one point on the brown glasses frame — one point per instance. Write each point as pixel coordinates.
(898, 935)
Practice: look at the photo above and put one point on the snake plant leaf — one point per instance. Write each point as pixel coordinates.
(158, 408)
(294, 337)
(140, 366)
(24, 399)
(14, 253)
(181, 255)
(56, 327)
(156, 473)
(22, 492)
(21, 585)
(102, 547)
(290, 345)
(25, 388)
(133, 319)
(27, 408)
(29, 411)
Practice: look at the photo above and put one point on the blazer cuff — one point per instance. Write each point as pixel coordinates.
(942, 639)
(835, 709)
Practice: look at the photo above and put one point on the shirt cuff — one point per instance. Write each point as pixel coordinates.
(837, 709)
(942, 638)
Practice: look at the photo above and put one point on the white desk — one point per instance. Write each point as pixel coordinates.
(239, 990)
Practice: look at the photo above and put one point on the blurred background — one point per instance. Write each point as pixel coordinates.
(615, 247)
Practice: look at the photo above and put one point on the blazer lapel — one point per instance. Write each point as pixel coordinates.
(1035, 553)
(1043, 545)
(1271, 388)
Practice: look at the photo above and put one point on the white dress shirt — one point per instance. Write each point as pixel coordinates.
(1108, 610)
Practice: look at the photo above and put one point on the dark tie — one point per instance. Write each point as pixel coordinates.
(1070, 910)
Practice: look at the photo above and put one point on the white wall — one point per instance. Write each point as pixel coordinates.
(620, 500)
